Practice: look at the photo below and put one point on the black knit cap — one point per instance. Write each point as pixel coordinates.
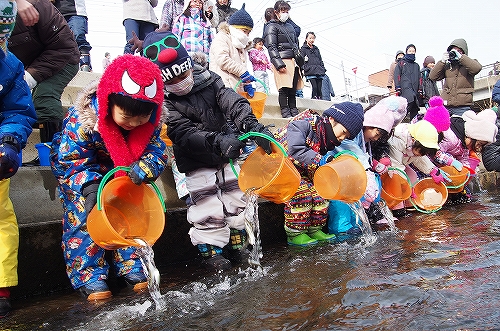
(410, 45)
(349, 114)
(241, 19)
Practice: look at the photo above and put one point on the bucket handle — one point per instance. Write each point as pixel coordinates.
(257, 80)
(405, 175)
(127, 169)
(345, 151)
(457, 186)
(257, 134)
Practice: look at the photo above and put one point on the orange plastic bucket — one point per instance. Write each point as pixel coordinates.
(124, 212)
(395, 189)
(429, 196)
(258, 102)
(458, 178)
(344, 179)
(273, 176)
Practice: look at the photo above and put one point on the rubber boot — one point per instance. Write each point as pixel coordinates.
(299, 237)
(212, 257)
(237, 252)
(85, 62)
(315, 232)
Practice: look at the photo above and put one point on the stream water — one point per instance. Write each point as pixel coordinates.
(433, 272)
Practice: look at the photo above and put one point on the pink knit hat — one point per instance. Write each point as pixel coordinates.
(387, 113)
(437, 114)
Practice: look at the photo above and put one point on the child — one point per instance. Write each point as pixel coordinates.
(307, 138)
(113, 123)
(204, 120)
(228, 53)
(260, 63)
(378, 123)
(17, 115)
(429, 87)
(411, 144)
(314, 68)
(468, 134)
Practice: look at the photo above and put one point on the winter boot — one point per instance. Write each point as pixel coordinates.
(85, 63)
(212, 258)
(5, 306)
(294, 111)
(137, 280)
(299, 237)
(315, 232)
(237, 252)
(285, 112)
(97, 290)
(48, 129)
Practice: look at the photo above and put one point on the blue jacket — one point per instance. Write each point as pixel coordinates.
(17, 113)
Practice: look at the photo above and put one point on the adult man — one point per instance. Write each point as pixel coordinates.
(458, 71)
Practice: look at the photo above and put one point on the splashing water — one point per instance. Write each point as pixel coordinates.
(146, 255)
(387, 215)
(363, 223)
(252, 228)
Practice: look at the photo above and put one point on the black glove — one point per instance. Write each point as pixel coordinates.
(89, 192)
(143, 171)
(9, 157)
(229, 145)
(263, 142)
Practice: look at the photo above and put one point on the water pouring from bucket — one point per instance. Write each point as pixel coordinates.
(395, 187)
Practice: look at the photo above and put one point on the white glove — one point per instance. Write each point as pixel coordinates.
(445, 57)
(306, 58)
(29, 80)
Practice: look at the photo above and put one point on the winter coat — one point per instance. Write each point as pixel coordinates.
(195, 120)
(278, 44)
(407, 78)
(70, 8)
(46, 47)
(314, 65)
(79, 155)
(458, 78)
(390, 78)
(453, 142)
(301, 141)
(227, 61)
(490, 154)
(193, 33)
(296, 28)
(17, 113)
(140, 10)
(259, 59)
(224, 11)
(495, 95)
(429, 87)
(400, 145)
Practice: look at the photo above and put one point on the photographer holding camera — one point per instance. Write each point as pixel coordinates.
(458, 71)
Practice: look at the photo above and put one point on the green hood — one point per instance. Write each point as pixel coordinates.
(461, 43)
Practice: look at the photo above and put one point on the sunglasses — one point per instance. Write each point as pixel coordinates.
(153, 51)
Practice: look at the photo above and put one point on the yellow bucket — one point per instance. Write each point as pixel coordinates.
(258, 102)
(124, 212)
(344, 179)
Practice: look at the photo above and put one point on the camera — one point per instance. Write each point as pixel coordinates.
(452, 55)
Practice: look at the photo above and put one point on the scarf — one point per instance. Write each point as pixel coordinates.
(327, 139)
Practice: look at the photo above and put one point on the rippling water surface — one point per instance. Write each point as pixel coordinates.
(436, 272)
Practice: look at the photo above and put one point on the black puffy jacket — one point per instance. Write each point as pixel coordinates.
(314, 64)
(277, 37)
(490, 154)
(195, 120)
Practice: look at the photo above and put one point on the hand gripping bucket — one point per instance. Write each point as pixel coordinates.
(343, 178)
(258, 101)
(273, 176)
(458, 178)
(395, 189)
(429, 197)
(124, 212)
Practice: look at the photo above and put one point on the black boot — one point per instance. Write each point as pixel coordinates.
(212, 258)
(285, 112)
(48, 129)
(85, 62)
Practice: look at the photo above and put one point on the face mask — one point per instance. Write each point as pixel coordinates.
(410, 57)
(283, 17)
(239, 38)
(181, 88)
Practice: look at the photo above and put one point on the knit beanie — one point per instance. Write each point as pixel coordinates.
(241, 19)
(428, 59)
(437, 114)
(165, 50)
(8, 11)
(349, 114)
(399, 52)
(387, 113)
(481, 126)
(410, 45)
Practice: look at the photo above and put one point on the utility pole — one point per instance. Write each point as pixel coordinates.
(345, 80)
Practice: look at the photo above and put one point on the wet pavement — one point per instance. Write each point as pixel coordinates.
(436, 272)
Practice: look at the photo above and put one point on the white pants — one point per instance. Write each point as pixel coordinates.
(217, 205)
